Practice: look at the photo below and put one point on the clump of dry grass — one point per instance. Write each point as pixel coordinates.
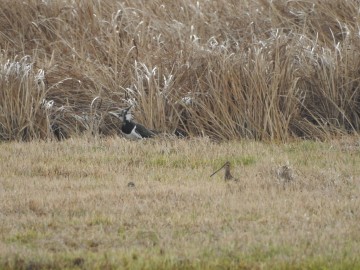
(260, 69)
(69, 203)
(22, 90)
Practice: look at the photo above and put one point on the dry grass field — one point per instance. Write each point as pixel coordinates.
(68, 205)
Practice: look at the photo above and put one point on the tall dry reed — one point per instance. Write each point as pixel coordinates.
(269, 70)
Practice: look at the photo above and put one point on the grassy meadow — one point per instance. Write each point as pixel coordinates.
(68, 205)
(266, 85)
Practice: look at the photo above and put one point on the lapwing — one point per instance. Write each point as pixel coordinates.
(228, 176)
(129, 128)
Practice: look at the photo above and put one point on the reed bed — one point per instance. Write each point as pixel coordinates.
(265, 70)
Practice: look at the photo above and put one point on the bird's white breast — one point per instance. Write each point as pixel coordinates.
(133, 135)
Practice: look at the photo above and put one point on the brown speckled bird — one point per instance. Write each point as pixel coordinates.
(285, 174)
(228, 176)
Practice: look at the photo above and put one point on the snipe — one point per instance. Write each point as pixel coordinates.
(228, 176)
(285, 174)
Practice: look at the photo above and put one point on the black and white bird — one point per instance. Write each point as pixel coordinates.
(130, 129)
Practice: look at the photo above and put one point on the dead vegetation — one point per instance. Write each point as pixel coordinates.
(226, 69)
